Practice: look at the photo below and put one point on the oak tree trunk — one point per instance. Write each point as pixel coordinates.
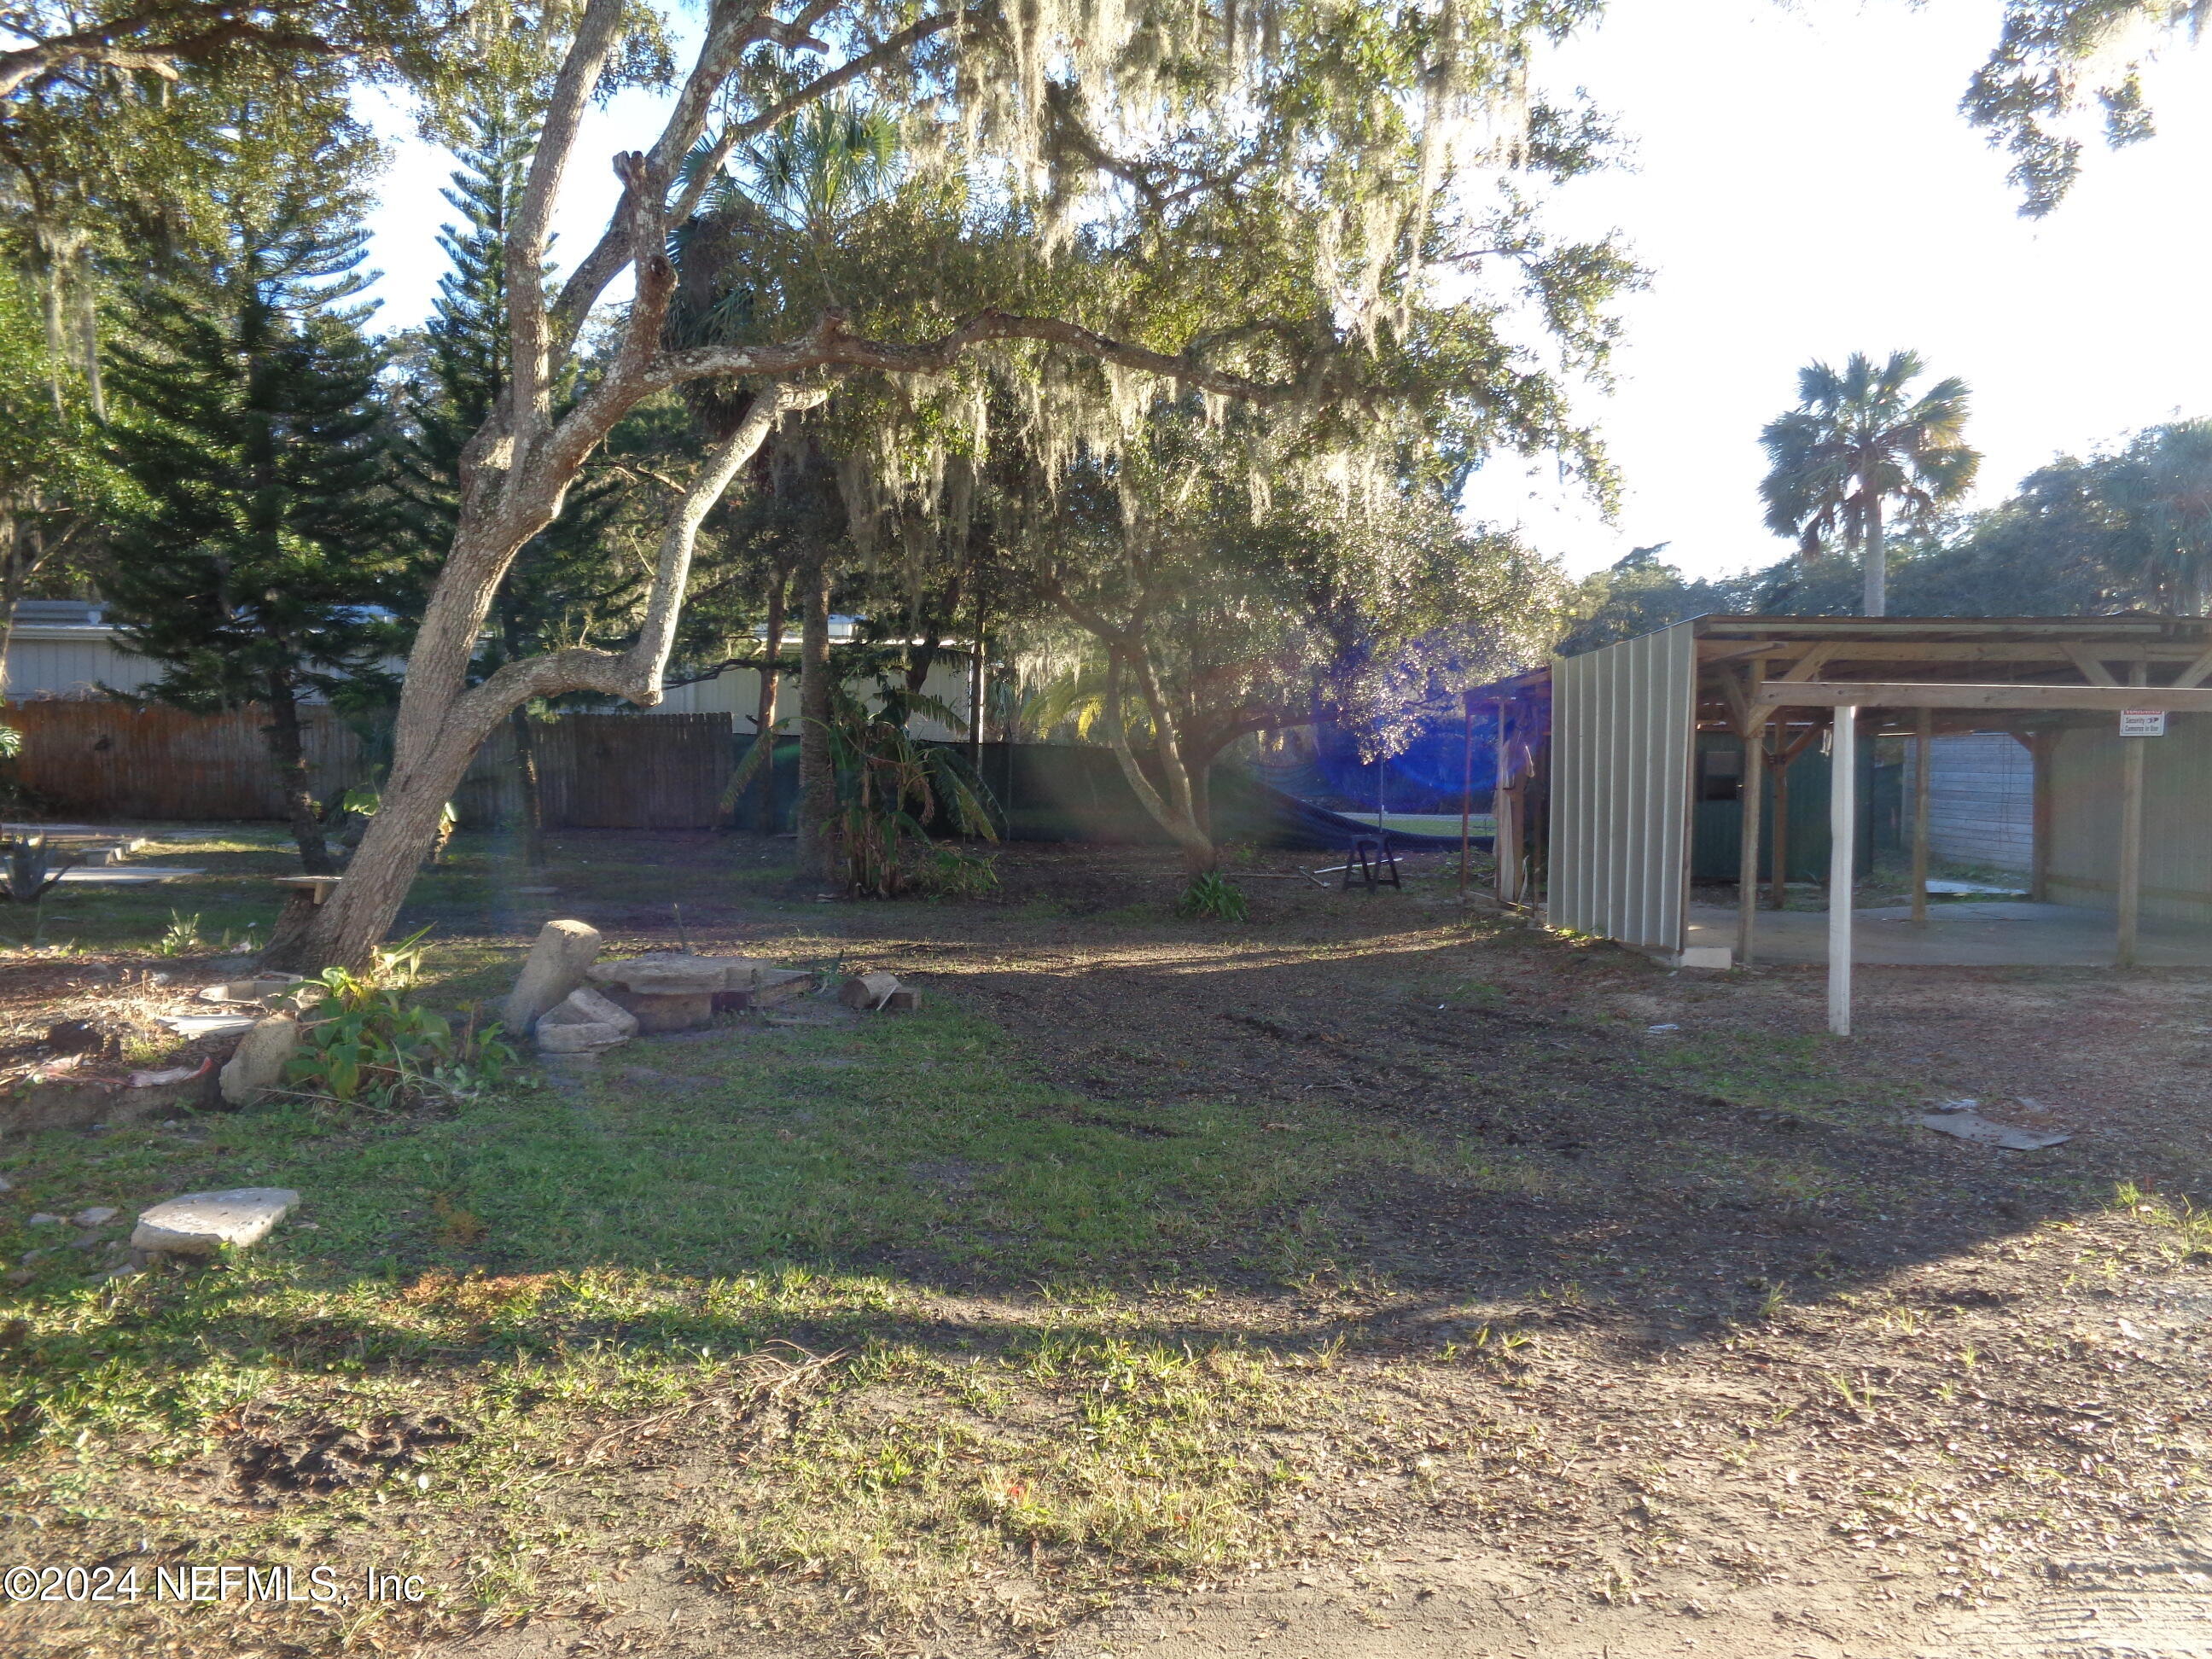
(817, 782)
(1177, 811)
(771, 683)
(525, 776)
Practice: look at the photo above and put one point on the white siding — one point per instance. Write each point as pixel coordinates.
(1622, 725)
(72, 661)
(736, 692)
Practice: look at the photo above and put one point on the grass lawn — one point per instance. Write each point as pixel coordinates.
(1147, 1257)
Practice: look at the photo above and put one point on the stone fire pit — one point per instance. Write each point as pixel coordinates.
(667, 990)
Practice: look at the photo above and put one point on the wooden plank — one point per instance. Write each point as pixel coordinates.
(2092, 671)
(1747, 877)
(1930, 694)
(1809, 665)
(2045, 816)
(100, 758)
(2199, 669)
(1923, 742)
(1842, 835)
(2131, 816)
(2133, 758)
(1713, 652)
(2028, 626)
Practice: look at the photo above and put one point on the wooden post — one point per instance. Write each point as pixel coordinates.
(1923, 744)
(1778, 880)
(978, 666)
(1466, 794)
(1747, 872)
(1843, 849)
(2131, 824)
(2041, 748)
(1505, 835)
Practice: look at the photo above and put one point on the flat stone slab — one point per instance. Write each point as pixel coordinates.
(257, 989)
(584, 1023)
(1972, 1125)
(667, 973)
(126, 875)
(201, 1223)
(195, 1025)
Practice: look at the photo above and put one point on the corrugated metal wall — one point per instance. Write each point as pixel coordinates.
(1981, 800)
(2085, 812)
(1621, 728)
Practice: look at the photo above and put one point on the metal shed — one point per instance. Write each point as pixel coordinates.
(2111, 710)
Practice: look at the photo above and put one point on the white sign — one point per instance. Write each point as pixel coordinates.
(2142, 722)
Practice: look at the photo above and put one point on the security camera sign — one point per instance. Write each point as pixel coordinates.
(2142, 722)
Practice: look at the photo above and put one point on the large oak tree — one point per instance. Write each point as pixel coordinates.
(1237, 200)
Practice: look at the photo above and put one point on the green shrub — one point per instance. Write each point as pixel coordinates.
(952, 872)
(1212, 897)
(360, 1042)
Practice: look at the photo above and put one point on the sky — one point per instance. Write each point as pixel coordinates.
(1800, 184)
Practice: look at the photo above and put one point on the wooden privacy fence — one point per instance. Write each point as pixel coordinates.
(99, 759)
(606, 772)
(110, 760)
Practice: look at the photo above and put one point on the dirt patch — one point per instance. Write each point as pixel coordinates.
(273, 1451)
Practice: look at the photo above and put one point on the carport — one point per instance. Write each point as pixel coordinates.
(2111, 709)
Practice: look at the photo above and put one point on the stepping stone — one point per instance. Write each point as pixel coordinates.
(201, 1223)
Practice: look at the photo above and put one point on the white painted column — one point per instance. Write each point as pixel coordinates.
(1843, 849)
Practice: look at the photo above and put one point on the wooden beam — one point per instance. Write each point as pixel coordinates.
(2092, 671)
(1843, 863)
(1923, 746)
(1712, 652)
(1746, 869)
(2130, 906)
(2040, 749)
(1932, 694)
(1809, 665)
(1732, 687)
(2199, 669)
(2085, 627)
(1506, 821)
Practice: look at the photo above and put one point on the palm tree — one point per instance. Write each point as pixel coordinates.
(1858, 442)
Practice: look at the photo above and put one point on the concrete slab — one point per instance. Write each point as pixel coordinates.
(1999, 933)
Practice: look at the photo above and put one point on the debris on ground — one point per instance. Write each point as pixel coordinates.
(258, 1067)
(271, 1451)
(262, 989)
(584, 1023)
(667, 990)
(563, 951)
(201, 1223)
(865, 990)
(1958, 1119)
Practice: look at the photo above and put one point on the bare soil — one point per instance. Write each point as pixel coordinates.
(1669, 1334)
